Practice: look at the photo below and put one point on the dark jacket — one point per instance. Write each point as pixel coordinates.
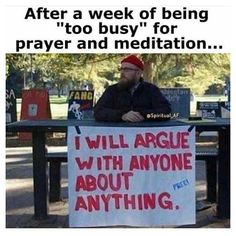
(147, 100)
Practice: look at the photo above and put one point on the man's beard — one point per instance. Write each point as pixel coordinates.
(126, 84)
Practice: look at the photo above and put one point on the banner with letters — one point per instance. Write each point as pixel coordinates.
(134, 176)
(11, 114)
(80, 104)
(212, 110)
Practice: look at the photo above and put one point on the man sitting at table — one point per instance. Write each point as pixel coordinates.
(132, 99)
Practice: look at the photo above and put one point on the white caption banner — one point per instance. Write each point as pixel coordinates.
(120, 29)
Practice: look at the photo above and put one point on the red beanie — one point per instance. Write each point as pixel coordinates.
(134, 60)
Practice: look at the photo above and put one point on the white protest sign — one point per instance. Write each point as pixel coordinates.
(131, 176)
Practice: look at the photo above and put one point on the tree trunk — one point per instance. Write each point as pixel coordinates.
(59, 92)
(148, 71)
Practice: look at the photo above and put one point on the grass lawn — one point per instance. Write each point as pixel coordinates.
(211, 98)
(54, 99)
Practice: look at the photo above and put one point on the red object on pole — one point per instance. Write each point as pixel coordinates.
(35, 106)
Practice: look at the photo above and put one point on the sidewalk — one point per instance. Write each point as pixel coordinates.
(19, 193)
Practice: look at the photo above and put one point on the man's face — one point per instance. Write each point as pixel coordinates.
(129, 75)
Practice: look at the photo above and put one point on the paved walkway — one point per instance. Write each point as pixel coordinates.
(19, 194)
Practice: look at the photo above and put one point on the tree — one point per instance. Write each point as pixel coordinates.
(196, 71)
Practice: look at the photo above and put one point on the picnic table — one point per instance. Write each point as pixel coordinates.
(40, 178)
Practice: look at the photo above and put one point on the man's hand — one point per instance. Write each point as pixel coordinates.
(132, 116)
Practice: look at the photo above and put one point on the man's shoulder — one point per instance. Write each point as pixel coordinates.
(149, 85)
(113, 86)
(111, 89)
